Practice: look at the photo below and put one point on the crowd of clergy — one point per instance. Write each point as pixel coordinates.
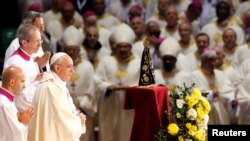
(205, 42)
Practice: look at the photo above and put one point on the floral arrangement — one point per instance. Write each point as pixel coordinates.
(189, 116)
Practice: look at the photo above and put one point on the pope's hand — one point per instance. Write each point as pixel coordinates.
(25, 116)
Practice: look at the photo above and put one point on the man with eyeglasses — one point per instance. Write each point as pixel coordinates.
(56, 118)
(40, 57)
(29, 38)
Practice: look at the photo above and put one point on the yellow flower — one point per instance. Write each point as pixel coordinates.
(196, 93)
(192, 130)
(200, 113)
(191, 101)
(200, 135)
(180, 138)
(173, 129)
(206, 105)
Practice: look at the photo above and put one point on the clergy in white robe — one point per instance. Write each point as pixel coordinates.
(91, 49)
(159, 15)
(105, 19)
(12, 124)
(81, 84)
(169, 75)
(241, 82)
(36, 19)
(171, 29)
(186, 41)
(224, 20)
(192, 61)
(56, 117)
(217, 85)
(22, 58)
(113, 75)
(56, 27)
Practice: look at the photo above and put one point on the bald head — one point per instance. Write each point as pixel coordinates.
(10, 73)
(13, 79)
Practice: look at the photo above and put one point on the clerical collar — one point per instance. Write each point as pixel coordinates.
(22, 53)
(7, 94)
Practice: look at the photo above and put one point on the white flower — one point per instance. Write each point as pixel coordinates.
(180, 103)
(203, 124)
(191, 114)
(178, 115)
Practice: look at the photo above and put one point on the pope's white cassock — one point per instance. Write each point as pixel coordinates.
(10, 128)
(115, 123)
(31, 70)
(242, 81)
(81, 84)
(219, 112)
(55, 118)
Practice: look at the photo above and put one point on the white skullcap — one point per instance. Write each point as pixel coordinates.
(169, 47)
(208, 53)
(56, 56)
(124, 34)
(72, 36)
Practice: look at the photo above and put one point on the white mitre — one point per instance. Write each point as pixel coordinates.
(124, 34)
(169, 47)
(72, 36)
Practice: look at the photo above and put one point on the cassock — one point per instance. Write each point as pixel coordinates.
(242, 53)
(173, 78)
(215, 35)
(241, 81)
(219, 113)
(14, 45)
(30, 68)
(188, 48)
(116, 123)
(10, 128)
(56, 117)
(108, 21)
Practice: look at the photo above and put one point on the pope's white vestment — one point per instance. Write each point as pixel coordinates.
(30, 70)
(115, 123)
(10, 128)
(56, 117)
(82, 90)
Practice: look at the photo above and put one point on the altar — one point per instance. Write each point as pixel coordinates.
(150, 105)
